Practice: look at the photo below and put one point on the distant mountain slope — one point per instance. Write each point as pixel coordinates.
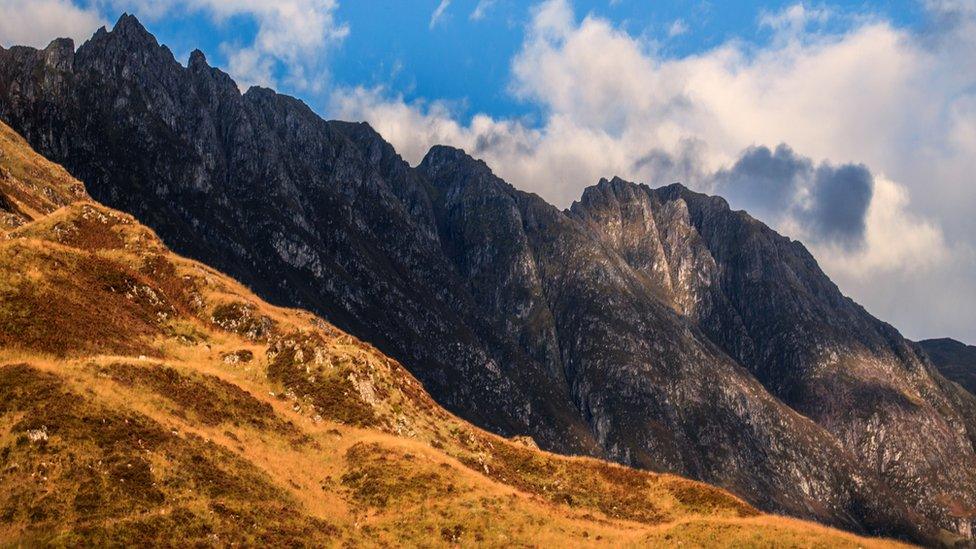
(956, 360)
(146, 398)
(657, 327)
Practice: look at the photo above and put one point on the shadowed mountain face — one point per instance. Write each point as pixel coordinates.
(654, 327)
(149, 400)
(956, 360)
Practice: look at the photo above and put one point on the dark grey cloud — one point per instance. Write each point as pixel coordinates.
(686, 165)
(762, 181)
(829, 202)
(841, 197)
(494, 139)
(944, 18)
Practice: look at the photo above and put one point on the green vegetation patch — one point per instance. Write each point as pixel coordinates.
(221, 523)
(210, 399)
(327, 386)
(77, 302)
(703, 499)
(241, 318)
(92, 230)
(78, 473)
(180, 289)
(618, 492)
(381, 477)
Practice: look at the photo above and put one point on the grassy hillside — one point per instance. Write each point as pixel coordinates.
(146, 398)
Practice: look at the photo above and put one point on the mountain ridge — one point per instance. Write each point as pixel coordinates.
(955, 359)
(593, 329)
(147, 399)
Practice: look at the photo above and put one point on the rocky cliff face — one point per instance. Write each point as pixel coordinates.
(763, 300)
(655, 327)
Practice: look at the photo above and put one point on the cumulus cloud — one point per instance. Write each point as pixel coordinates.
(36, 22)
(827, 203)
(886, 112)
(291, 44)
(896, 241)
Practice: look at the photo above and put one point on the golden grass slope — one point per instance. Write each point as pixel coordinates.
(148, 399)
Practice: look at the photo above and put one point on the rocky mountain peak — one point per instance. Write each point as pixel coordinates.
(612, 190)
(60, 53)
(217, 81)
(197, 59)
(260, 93)
(693, 198)
(617, 182)
(128, 48)
(131, 29)
(441, 159)
(274, 102)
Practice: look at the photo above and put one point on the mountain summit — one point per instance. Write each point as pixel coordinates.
(654, 327)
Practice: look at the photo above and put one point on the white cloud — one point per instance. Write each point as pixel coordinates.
(413, 128)
(901, 102)
(439, 13)
(794, 20)
(481, 9)
(677, 28)
(291, 45)
(896, 240)
(37, 22)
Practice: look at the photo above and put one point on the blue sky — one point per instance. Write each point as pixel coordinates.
(850, 126)
(464, 57)
(467, 61)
